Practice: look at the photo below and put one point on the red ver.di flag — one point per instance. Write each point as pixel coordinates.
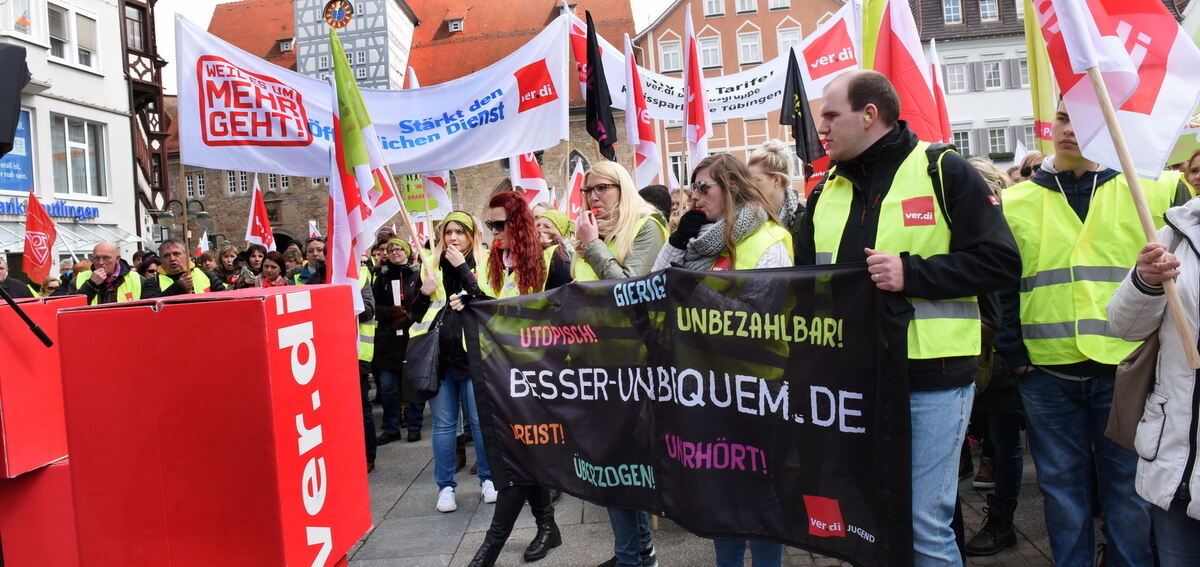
(1147, 63)
(639, 128)
(40, 235)
(527, 174)
(258, 227)
(572, 202)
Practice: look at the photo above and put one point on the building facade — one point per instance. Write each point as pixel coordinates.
(377, 41)
(733, 35)
(74, 139)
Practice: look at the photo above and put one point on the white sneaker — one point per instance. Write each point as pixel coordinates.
(489, 492)
(446, 501)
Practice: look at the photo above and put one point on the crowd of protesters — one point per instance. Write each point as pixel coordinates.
(992, 351)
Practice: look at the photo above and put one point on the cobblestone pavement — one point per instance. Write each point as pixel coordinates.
(409, 532)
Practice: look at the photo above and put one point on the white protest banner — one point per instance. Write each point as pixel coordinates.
(239, 112)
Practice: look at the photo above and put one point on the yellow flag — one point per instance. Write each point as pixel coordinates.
(1042, 87)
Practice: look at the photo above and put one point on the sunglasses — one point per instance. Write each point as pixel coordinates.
(599, 189)
(497, 226)
(700, 187)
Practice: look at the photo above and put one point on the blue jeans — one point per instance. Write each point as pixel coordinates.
(732, 553)
(454, 398)
(1178, 536)
(939, 424)
(1066, 432)
(389, 395)
(631, 534)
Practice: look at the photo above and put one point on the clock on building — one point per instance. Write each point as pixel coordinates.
(338, 13)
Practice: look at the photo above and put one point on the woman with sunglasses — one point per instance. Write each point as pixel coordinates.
(397, 286)
(460, 257)
(732, 226)
(619, 237)
(517, 266)
(620, 234)
(771, 168)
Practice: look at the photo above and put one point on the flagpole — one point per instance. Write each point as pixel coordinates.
(408, 222)
(187, 249)
(1143, 210)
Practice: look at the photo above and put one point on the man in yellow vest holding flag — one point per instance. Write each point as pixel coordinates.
(1079, 235)
(932, 235)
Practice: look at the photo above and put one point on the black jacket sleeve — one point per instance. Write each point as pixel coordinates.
(88, 289)
(560, 270)
(1009, 343)
(983, 253)
(803, 247)
(469, 283)
(150, 288)
(368, 300)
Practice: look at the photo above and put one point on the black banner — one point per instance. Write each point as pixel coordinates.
(762, 404)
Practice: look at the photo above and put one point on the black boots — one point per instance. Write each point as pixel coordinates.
(488, 552)
(547, 538)
(997, 532)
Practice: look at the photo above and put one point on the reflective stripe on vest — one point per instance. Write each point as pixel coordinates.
(200, 283)
(129, 290)
(366, 331)
(910, 220)
(1070, 268)
(583, 271)
(750, 250)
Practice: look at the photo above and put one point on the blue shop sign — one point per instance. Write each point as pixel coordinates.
(16, 206)
(16, 167)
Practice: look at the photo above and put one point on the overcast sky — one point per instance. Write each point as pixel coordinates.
(200, 12)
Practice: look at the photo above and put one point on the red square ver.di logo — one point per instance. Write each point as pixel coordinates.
(831, 52)
(242, 108)
(535, 85)
(824, 517)
(918, 211)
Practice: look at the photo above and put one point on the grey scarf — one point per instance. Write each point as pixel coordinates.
(702, 250)
(787, 211)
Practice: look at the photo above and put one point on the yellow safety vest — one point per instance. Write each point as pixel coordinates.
(1070, 268)
(366, 331)
(129, 290)
(508, 284)
(1170, 180)
(200, 283)
(438, 299)
(910, 220)
(750, 250)
(585, 273)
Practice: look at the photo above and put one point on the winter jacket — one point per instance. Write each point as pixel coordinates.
(983, 254)
(1167, 436)
(107, 291)
(393, 321)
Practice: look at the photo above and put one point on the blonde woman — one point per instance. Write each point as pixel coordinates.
(771, 168)
(620, 235)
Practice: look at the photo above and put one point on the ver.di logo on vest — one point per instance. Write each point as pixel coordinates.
(918, 211)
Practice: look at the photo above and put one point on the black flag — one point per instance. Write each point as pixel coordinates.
(599, 101)
(795, 113)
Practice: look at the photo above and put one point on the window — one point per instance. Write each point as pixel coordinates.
(23, 17)
(231, 182)
(744, 6)
(993, 78)
(677, 165)
(59, 38)
(285, 45)
(997, 140)
(322, 62)
(272, 181)
(1020, 8)
(360, 73)
(952, 12)
(283, 182)
(191, 189)
(358, 9)
(714, 8)
(200, 185)
(360, 57)
(669, 57)
(85, 31)
(956, 78)
(779, 4)
(749, 48)
(135, 28)
(243, 186)
(788, 38)
(710, 52)
(989, 10)
(1023, 72)
(1030, 138)
(79, 157)
(72, 43)
(962, 141)
(454, 26)
(316, 181)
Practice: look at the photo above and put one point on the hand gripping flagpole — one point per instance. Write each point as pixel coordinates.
(1143, 211)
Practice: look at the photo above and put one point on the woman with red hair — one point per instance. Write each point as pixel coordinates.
(517, 266)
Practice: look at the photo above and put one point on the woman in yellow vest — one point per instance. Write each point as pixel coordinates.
(516, 266)
(731, 226)
(457, 258)
(555, 232)
(620, 235)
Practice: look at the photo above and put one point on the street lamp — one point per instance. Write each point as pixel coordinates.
(166, 219)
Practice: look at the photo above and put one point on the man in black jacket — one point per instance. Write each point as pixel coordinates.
(15, 287)
(935, 250)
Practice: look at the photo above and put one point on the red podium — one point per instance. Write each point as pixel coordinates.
(216, 429)
(37, 522)
(31, 406)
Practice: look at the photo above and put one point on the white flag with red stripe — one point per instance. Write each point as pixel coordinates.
(202, 245)
(697, 126)
(672, 180)
(639, 128)
(527, 175)
(572, 202)
(313, 232)
(1147, 62)
(258, 226)
(935, 71)
(892, 46)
